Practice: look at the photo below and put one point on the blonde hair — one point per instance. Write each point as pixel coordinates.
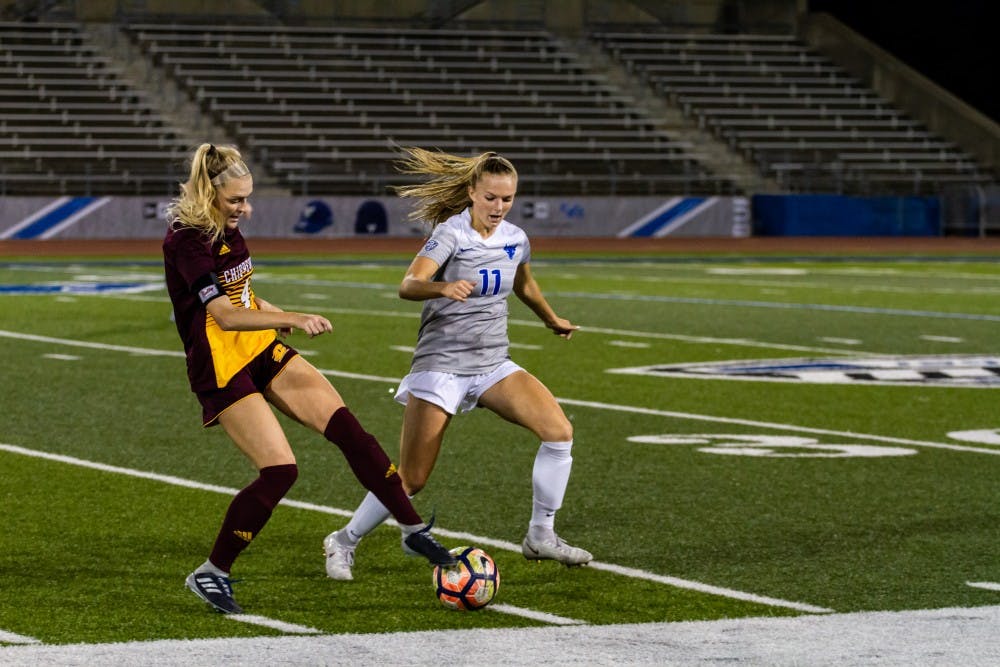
(211, 167)
(447, 192)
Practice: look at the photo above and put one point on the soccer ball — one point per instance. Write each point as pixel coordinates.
(470, 584)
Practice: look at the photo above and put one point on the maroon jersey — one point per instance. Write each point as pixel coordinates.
(197, 271)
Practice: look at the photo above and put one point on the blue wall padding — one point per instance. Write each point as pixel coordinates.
(838, 215)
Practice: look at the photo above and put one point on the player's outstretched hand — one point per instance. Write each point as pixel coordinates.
(563, 328)
(314, 325)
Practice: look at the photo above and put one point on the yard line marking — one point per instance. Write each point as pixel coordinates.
(567, 401)
(628, 343)
(707, 588)
(988, 585)
(534, 615)
(157, 477)
(841, 341)
(772, 425)
(14, 638)
(942, 339)
(869, 310)
(651, 576)
(628, 572)
(740, 342)
(274, 624)
(91, 345)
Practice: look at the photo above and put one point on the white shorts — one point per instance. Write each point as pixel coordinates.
(452, 392)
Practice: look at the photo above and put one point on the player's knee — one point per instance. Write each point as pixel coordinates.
(273, 483)
(558, 431)
(281, 477)
(412, 483)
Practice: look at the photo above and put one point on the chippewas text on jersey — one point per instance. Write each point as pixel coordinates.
(231, 350)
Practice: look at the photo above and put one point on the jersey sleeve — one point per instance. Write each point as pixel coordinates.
(526, 255)
(193, 260)
(440, 246)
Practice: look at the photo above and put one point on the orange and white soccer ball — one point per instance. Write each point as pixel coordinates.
(470, 584)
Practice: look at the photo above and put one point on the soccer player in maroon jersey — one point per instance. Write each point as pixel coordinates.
(237, 365)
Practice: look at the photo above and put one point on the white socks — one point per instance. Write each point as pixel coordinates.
(209, 566)
(549, 479)
(548, 482)
(370, 513)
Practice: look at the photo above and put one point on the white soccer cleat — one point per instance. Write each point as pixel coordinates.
(339, 559)
(555, 549)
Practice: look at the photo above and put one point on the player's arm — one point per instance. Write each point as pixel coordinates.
(528, 291)
(419, 283)
(268, 306)
(232, 318)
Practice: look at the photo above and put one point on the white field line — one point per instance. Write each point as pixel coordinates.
(589, 404)
(628, 572)
(567, 401)
(945, 637)
(534, 615)
(94, 346)
(584, 329)
(780, 427)
(707, 588)
(14, 638)
(290, 628)
(988, 585)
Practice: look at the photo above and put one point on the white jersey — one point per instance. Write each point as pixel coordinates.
(469, 338)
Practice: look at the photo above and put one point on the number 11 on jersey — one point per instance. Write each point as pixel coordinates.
(485, 273)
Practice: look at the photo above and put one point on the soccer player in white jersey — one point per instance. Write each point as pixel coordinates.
(472, 261)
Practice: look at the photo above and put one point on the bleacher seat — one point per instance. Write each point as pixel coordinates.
(71, 124)
(798, 116)
(323, 108)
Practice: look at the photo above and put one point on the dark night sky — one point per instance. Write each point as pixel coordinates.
(955, 43)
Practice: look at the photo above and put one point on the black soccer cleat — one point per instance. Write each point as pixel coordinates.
(214, 589)
(422, 543)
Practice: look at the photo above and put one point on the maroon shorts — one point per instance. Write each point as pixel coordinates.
(251, 379)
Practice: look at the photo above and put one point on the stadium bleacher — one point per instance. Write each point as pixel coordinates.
(323, 108)
(802, 119)
(71, 122)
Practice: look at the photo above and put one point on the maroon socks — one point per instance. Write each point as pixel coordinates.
(249, 511)
(371, 465)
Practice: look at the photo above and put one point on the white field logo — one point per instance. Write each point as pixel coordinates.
(948, 370)
(773, 446)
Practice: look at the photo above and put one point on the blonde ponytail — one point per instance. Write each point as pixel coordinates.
(211, 167)
(447, 191)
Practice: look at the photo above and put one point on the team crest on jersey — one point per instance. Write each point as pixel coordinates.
(224, 249)
(510, 250)
(278, 352)
(430, 245)
(940, 370)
